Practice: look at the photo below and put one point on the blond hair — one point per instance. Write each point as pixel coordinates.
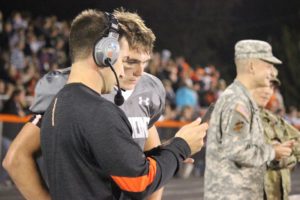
(138, 35)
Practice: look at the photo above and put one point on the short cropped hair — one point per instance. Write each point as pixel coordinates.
(88, 27)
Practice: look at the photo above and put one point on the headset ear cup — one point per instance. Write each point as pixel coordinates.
(107, 47)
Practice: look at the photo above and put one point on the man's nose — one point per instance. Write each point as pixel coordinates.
(274, 71)
(138, 70)
(122, 72)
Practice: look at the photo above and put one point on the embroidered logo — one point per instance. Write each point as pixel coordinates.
(145, 101)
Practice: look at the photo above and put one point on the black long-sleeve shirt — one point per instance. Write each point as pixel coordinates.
(90, 154)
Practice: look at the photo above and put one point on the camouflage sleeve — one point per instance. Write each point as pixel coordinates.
(289, 162)
(293, 134)
(158, 101)
(296, 150)
(285, 163)
(46, 88)
(240, 145)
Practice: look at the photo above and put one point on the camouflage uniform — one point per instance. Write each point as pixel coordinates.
(277, 183)
(236, 153)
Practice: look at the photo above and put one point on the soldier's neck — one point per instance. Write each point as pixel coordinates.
(245, 81)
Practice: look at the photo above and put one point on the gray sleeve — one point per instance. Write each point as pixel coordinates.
(46, 88)
(158, 101)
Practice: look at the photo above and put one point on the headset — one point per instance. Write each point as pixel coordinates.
(106, 52)
(107, 48)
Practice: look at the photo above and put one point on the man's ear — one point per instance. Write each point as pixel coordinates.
(251, 67)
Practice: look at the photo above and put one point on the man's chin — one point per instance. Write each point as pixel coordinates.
(264, 84)
(128, 87)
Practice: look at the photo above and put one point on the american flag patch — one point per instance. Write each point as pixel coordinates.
(242, 110)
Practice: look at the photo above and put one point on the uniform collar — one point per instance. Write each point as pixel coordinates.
(245, 91)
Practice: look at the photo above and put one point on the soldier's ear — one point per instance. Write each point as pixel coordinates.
(251, 67)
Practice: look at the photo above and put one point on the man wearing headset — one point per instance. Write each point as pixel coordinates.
(36, 190)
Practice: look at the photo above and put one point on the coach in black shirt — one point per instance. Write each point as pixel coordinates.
(86, 140)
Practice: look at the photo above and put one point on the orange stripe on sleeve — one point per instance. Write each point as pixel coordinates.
(137, 184)
(14, 118)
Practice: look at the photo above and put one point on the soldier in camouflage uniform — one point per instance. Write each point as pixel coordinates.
(237, 155)
(277, 183)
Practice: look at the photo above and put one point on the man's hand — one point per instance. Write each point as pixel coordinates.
(289, 143)
(283, 150)
(193, 134)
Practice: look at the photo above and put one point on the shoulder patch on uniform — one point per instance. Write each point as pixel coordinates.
(238, 126)
(242, 109)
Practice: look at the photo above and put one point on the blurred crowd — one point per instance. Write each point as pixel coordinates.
(32, 46)
(29, 48)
